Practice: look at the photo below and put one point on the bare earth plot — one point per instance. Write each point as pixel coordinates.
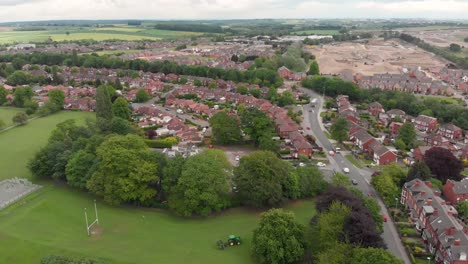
(14, 189)
(441, 38)
(377, 56)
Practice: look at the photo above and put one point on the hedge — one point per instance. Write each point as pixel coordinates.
(161, 143)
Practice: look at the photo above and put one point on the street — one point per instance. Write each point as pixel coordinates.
(362, 176)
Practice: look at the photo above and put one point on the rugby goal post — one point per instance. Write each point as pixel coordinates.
(95, 222)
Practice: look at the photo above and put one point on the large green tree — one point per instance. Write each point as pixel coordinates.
(264, 180)
(256, 124)
(339, 130)
(103, 103)
(462, 209)
(311, 181)
(57, 97)
(79, 168)
(372, 256)
(202, 187)
(225, 129)
(126, 171)
(121, 109)
(172, 172)
(22, 95)
(407, 134)
(3, 94)
(142, 96)
(20, 118)
(314, 68)
(279, 239)
(419, 170)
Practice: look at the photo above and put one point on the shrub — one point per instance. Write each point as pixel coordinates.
(162, 143)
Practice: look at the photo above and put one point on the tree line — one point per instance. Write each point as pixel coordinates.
(190, 27)
(254, 75)
(444, 112)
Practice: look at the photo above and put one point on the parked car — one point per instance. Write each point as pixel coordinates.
(354, 182)
(301, 164)
(384, 218)
(321, 164)
(167, 109)
(346, 170)
(237, 158)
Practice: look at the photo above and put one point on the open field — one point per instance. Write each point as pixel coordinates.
(19, 144)
(7, 113)
(439, 36)
(98, 34)
(50, 221)
(377, 56)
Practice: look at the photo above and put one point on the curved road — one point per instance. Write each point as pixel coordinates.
(338, 162)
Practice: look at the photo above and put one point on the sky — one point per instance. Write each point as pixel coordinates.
(31, 10)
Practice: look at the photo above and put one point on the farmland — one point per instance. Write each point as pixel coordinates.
(441, 37)
(377, 56)
(8, 35)
(316, 32)
(18, 145)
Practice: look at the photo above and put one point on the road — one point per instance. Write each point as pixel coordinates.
(362, 176)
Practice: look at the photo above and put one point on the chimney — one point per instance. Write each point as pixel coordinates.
(456, 242)
(436, 193)
(428, 184)
(417, 183)
(450, 211)
(423, 193)
(436, 212)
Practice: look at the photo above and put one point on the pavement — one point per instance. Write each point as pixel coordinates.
(362, 176)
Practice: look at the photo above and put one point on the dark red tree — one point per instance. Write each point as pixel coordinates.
(151, 134)
(443, 164)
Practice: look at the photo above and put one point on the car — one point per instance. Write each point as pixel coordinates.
(237, 158)
(310, 110)
(337, 150)
(384, 218)
(346, 170)
(308, 128)
(167, 109)
(301, 164)
(153, 105)
(321, 164)
(354, 182)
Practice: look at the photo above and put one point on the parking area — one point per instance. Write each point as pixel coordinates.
(235, 151)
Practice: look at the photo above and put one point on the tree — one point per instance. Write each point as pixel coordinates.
(120, 109)
(384, 184)
(339, 253)
(462, 209)
(57, 98)
(266, 142)
(314, 68)
(125, 172)
(22, 95)
(79, 168)
(279, 238)
(142, 96)
(329, 228)
(407, 134)
(455, 47)
(225, 129)
(202, 187)
(255, 93)
(3, 94)
(373, 255)
(103, 103)
(443, 164)
(256, 124)
(31, 107)
(400, 144)
(242, 89)
(20, 118)
(120, 126)
(360, 230)
(339, 130)
(286, 98)
(197, 83)
(53, 259)
(263, 179)
(311, 181)
(172, 172)
(18, 78)
(419, 170)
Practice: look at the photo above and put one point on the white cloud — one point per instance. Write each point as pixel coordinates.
(20, 10)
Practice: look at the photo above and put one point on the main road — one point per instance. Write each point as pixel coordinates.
(361, 176)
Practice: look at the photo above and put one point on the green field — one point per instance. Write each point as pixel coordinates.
(51, 221)
(7, 113)
(317, 32)
(19, 144)
(99, 34)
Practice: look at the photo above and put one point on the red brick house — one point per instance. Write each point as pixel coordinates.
(302, 146)
(284, 73)
(362, 140)
(375, 108)
(436, 141)
(381, 154)
(419, 152)
(425, 123)
(456, 191)
(450, 131)
(444, 236)
(393, 129)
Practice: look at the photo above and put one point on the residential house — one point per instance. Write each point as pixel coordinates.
(425, 123)
(362, 140)
(456, 191)
(450, 131)
(396, 113)
(419, 152)
(393, 129)
(284, 72)
(436, 141)
(375, 108)
(381, 154)
(444, 235)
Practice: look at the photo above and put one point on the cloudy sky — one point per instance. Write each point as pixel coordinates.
(21, 10)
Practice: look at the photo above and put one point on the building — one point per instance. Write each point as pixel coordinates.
(425, 123)
(456, 191)
(394, 113)
(362, 140)
(394, 128)
(375, 108)
(444, 235)
(381, 154)
(450, 131)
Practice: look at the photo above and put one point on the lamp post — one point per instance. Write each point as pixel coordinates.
(396, 202)
(428, 260)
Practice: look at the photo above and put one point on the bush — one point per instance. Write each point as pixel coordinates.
(162, 143)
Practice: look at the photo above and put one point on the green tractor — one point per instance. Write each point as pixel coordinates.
(232, 241)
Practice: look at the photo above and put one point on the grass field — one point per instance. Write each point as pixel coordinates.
(51, 222)
(19, 144)
(104, 33)
(7, 113)
(317, 32)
